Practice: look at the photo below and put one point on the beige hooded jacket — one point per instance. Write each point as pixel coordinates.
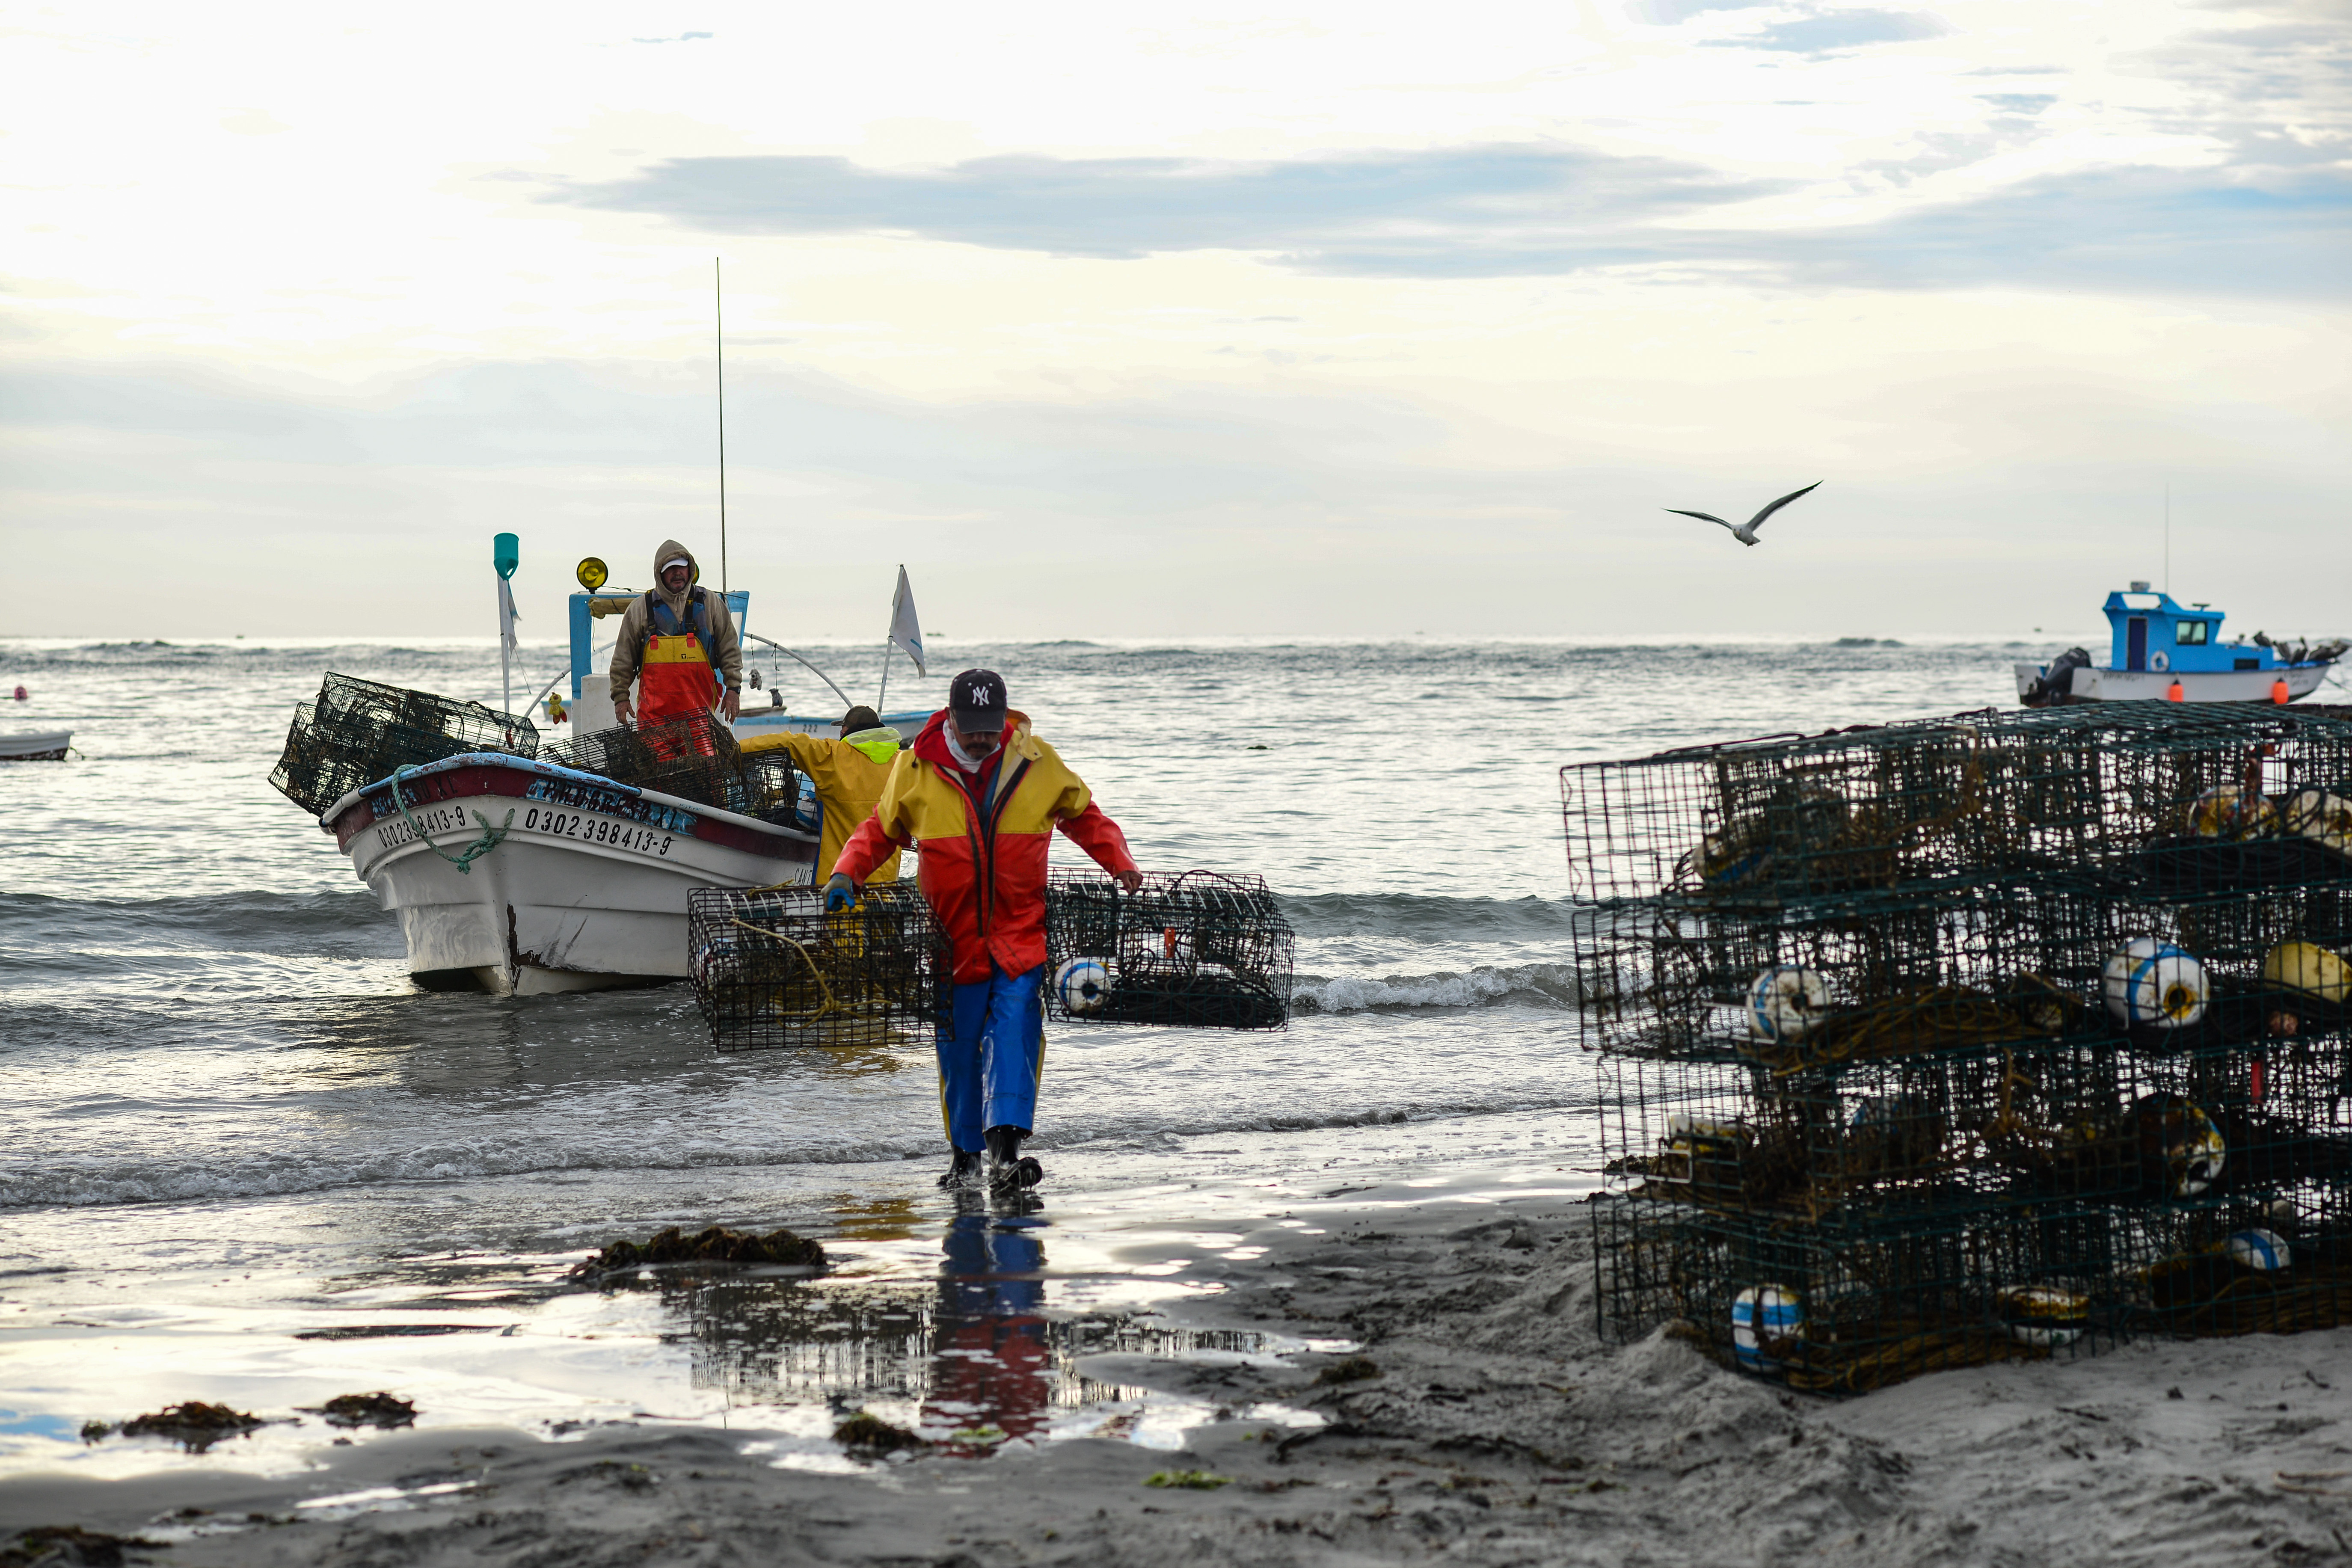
(727, 649)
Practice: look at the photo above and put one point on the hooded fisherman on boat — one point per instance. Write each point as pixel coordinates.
(848, 774)
(979, 796)
(676, 644)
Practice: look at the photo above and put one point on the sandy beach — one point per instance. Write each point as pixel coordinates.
(1459, 1402)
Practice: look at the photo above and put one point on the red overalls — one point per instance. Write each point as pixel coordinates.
(674, 679)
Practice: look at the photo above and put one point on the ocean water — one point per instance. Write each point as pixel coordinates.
(244, 1158)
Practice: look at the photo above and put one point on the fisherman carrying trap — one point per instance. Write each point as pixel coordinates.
(979, 796)
(677, 643)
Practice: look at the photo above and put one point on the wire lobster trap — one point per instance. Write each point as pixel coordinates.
(772, 970)
(1974, 1129)
(356, 732)
(1851, 1310)
(1861, 978)
(693, 758)
(1195, 949)
(2177, 800)
(775, 791)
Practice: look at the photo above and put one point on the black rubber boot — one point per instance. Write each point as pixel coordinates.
(963, 1171)
(1008, 1170)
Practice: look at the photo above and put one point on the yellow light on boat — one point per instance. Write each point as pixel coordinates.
(592, 574)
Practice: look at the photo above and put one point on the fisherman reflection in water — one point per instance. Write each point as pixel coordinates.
(992, 1363)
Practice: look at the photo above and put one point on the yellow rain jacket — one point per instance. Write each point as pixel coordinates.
(848, 775)
(983, 839)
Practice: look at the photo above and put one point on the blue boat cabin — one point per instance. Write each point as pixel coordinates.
(2154, 632)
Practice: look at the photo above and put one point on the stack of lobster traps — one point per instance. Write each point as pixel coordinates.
(1987, 1038)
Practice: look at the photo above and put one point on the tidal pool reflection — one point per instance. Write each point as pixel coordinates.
(976, 1356)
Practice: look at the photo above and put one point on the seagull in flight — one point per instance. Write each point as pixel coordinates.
(1746, 531)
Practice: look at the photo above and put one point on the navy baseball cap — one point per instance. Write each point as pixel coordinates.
(976, 697)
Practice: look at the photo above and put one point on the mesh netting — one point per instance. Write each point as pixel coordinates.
(693, 758)
(1195, 949)
(2181, 798)
(773, 789)
(2007, 1036)
(358, 732)
(772, 970)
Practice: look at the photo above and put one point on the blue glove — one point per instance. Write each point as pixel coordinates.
(839, 894)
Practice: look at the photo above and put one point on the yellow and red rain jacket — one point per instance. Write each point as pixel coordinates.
(983, 837)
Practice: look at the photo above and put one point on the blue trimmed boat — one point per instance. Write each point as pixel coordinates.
(2159, 645)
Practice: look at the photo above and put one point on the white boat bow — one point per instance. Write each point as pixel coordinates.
(570, 882)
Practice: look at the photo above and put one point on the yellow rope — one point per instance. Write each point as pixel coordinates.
(831, 1005)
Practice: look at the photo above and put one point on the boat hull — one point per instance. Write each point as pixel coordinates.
(584, 889)
(2092, 684)
(44, 746)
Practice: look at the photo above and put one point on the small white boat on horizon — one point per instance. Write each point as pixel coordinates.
(40, 746)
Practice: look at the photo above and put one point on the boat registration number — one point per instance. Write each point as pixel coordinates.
(585, 827)
(589, 828)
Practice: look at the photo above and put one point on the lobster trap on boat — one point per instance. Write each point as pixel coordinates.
(772, 970)
(1197, 948)
(693, 758)
(357, 732)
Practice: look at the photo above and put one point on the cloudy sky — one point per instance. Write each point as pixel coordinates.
(1156, 320)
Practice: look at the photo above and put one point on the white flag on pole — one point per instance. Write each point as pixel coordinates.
(508, 615)
(906, 627)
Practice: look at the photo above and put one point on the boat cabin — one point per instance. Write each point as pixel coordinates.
(2152, 633)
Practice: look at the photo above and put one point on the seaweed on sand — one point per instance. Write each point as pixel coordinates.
(196, 1424)
(377, 1409)
(715, 1245)
(71, 1546)
(870, 1436)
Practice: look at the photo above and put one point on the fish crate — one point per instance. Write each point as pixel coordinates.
(2167, 799)
(1194, 949)
(772, 970)
(356, 732)
(694, 758)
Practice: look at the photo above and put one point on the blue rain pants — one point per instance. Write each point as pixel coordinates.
(991, 1056)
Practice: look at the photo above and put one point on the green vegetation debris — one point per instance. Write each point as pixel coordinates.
(1189, 1481)
(1354, 1369)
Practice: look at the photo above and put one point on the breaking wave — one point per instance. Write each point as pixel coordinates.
(1549, 984)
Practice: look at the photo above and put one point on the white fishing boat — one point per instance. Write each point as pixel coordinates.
(520, 878)
(41, 746)
(2162, 650)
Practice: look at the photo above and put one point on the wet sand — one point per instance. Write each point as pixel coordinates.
(1490, 1425)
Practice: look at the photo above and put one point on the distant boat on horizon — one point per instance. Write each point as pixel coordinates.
(2159, 645)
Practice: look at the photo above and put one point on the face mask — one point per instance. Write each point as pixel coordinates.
(971, 752)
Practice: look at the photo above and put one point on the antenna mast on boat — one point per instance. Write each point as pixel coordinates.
(2168, 536)
(719, 337)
